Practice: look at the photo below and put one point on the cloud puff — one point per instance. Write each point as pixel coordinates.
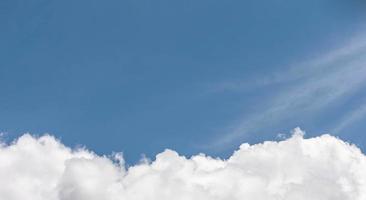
(318, 168)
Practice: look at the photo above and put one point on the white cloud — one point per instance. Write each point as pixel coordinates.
(317, 168)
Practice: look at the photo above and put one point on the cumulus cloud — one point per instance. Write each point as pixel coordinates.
(318, 168)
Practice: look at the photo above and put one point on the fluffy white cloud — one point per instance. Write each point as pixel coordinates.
(318, 168)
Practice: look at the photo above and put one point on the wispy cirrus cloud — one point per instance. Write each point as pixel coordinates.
(310, 88)
(351, 117)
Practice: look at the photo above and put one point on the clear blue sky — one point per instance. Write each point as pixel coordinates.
(140, 76)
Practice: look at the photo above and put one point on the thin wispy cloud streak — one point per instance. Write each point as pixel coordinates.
(310, 88)
(350, 118)
(355, 48)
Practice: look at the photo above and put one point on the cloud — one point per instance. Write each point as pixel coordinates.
(350, 118)
(318, 168)
(307, 87)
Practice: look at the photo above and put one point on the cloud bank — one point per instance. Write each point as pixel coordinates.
(318, 168)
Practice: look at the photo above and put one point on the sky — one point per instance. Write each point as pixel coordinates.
(139, 76)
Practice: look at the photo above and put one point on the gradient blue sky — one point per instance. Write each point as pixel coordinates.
(140, 76)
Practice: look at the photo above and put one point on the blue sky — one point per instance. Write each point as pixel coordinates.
(196, 76)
